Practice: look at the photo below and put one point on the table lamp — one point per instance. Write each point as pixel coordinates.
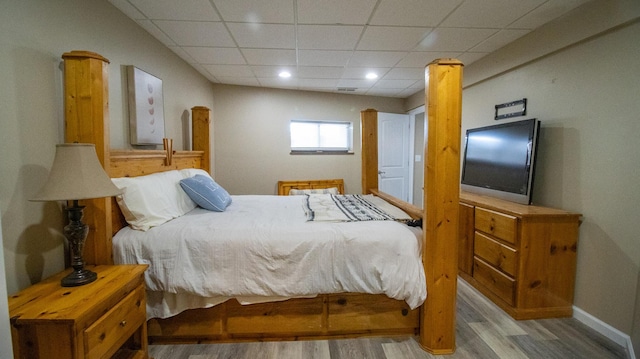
(76, 174)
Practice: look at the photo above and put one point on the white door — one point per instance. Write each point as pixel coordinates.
(393, 154)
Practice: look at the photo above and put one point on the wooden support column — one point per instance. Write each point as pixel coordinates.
(86, 108)
(200, 127)
(369, 135)
(442, 193)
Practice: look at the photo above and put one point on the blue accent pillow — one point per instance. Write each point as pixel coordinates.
(206, 193)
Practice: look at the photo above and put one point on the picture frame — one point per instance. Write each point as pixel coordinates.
(146, 107)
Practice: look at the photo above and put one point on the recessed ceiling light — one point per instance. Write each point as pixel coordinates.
(285, 74)
(372, 76)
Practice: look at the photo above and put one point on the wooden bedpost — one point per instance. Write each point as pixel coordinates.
(86, 109)
(200, 123)
(442, 193)
(369, 136)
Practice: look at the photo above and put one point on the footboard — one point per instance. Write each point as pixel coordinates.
(285, 186)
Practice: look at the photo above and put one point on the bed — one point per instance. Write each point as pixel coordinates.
(328, 315)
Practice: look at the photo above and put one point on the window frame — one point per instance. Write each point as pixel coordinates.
(323, 150)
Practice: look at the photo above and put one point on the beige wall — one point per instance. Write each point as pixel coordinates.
(252, 145)
(580, 76)
(588, 157)
(33, 36)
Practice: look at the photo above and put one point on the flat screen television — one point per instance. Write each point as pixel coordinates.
(499, 160)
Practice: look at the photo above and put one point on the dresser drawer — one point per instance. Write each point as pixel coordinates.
(112, 329)
(500, 225)
(496, 254)
(499, 283)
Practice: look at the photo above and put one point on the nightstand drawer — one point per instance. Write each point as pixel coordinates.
(496, 254)
(500, 225)
(499, 283)
(110, 331)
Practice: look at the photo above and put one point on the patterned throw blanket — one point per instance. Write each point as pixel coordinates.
(350, 208)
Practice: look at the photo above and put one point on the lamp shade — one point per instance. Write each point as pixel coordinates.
(76, 174)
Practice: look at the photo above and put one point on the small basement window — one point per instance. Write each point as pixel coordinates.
(321, 137)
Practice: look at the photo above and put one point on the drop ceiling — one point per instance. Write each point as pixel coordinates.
(331, 45)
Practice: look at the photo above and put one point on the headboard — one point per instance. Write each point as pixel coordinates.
(285, 186)
(133, 163)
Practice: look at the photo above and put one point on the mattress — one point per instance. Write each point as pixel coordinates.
(263, 248)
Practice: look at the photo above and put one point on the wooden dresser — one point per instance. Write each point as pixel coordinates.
(102, 319)
(521, 257)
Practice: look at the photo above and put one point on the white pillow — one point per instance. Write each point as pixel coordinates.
(152, 200)
(295, 192)
(190, 172)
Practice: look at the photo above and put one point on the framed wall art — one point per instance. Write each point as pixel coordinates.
(146, 107)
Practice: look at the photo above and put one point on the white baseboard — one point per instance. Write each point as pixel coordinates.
(605, 329)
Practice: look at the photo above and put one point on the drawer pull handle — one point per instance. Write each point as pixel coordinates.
(123, 323)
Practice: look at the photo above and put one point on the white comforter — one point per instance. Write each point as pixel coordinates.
(262, 248)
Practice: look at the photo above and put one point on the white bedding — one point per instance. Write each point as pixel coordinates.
(262, 248)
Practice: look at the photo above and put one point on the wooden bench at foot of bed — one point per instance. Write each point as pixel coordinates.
(322, 317)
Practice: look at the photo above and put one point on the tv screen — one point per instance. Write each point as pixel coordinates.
(499, 160)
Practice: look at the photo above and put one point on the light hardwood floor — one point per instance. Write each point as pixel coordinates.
(483, 331)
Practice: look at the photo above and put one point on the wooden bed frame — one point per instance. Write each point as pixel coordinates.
(326, 316)
(285, 186)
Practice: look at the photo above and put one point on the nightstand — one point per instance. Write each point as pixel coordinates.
(103, 319)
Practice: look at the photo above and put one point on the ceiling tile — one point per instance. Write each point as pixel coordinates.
(376, 58)
(404, 73)
(264, 36)
(328, 37)
(198, 10)
(271, 11)
(394, 84)
(216, 55)
(320, 72)
(454, 39)
(204, 72)
(323, 57)
(383, 92)
(336, 42)
(498, 40)
(352, 12)
(196, 33)
(409, 92)
(156, 32)
(183, 55)
(318, 83)
(423, 58)
(128, 9)
(543, 13)
(243, 81)
(361, 84)
(490, 13)
(469, 57)
(428, 13)
(229, 70)
(392, 38)
(278, 82)
(272, 71)
(270, 57)
(361, 72)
